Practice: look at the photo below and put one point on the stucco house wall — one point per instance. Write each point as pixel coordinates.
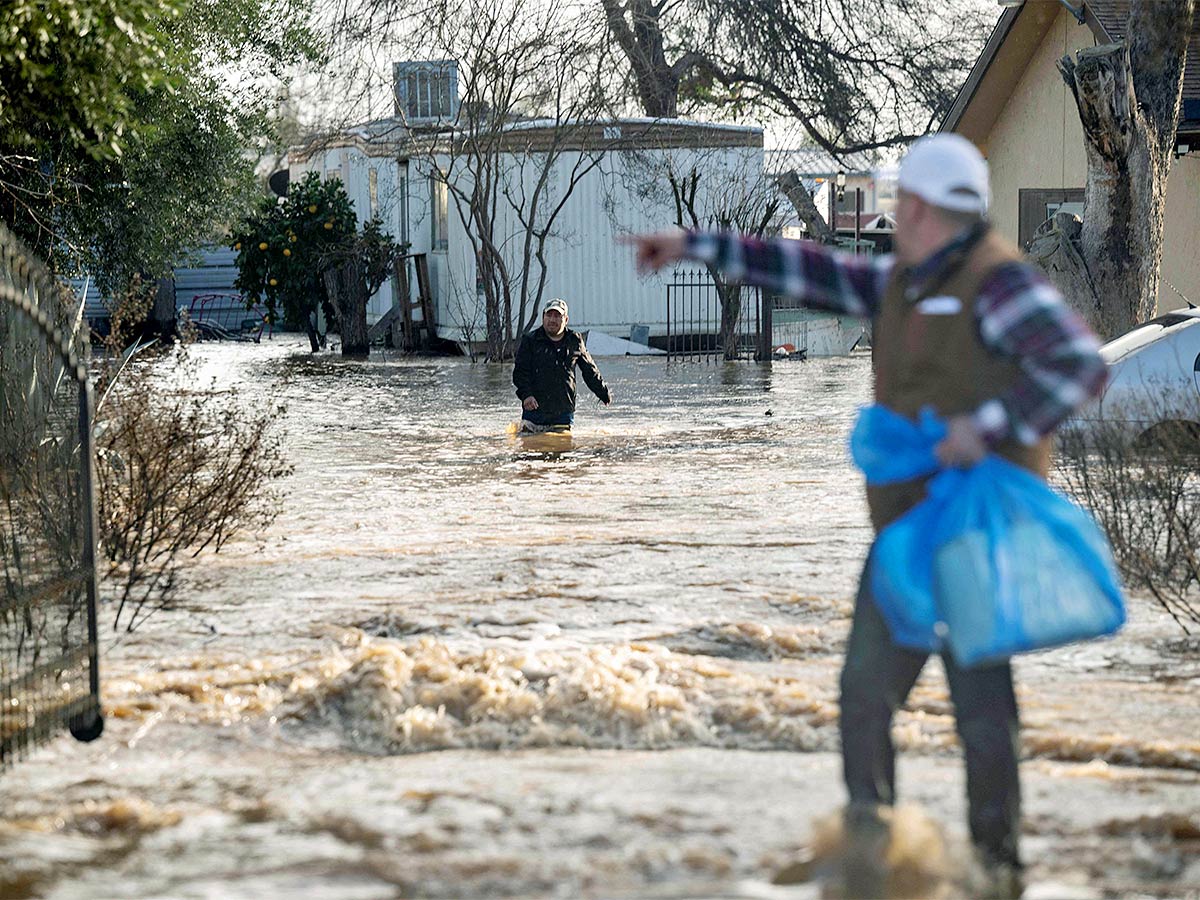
(1036, 142)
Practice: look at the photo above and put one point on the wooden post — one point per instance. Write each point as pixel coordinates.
(833, 209)
(406, 319)
(429, 320)
(766, 324)
(857, 218)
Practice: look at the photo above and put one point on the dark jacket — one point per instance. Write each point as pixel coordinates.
(545, 370)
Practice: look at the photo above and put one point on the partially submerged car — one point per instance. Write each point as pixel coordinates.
(1153, 391)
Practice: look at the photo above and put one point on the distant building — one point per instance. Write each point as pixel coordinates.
(865, 173)
(387, 167)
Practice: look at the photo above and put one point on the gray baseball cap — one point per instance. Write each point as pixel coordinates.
(556, 303)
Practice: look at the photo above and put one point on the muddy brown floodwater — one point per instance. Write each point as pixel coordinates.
(460, 666)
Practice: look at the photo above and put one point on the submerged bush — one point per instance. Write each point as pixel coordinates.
(179, 469)
(1146, 497)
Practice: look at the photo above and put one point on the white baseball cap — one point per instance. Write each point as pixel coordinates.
(557, 303)
(946, 170)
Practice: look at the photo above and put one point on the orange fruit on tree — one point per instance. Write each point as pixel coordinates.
(262, 246)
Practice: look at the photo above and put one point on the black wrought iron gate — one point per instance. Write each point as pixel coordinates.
(49, 676)
(711, 321)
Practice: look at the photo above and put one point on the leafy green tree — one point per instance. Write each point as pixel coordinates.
(70, 71)
(177, 186)
(124, 124)
(285, 248)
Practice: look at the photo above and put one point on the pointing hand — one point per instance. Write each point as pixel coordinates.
(658, 250)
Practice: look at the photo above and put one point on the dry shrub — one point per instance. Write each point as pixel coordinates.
(1145, 494)
(180, 469)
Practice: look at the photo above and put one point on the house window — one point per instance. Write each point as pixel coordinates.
(439, 206)
(373, 190)
(1036, 205)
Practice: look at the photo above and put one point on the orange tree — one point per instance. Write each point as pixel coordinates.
(284, 249)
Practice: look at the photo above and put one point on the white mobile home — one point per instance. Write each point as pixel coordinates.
(628, 174)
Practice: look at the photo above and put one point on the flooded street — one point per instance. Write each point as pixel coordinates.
(461, 665)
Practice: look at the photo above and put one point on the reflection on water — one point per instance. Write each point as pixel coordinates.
(677, 573)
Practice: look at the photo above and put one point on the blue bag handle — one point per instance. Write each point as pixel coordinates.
(889, 447)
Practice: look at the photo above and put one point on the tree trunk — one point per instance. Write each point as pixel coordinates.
(1056, 248)
(1128, 100)
(348, 290)
(162, 316)
(492, 308)
(818, 229)
(310, 328)
(640, 39)
(731, 312)
(507, 349)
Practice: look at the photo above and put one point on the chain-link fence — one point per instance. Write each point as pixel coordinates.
(48, 652)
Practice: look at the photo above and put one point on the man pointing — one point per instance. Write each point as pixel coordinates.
(964, 325)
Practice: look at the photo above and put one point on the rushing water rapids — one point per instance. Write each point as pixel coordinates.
(625, 651)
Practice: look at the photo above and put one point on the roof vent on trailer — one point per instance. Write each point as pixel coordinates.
(426, 91)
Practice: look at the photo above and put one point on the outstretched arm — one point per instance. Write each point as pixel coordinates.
(817, 276)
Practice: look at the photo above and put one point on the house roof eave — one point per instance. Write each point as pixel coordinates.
(967, 92)
(968, 117)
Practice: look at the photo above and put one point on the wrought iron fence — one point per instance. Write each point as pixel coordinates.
(49, 676)
(710, 320)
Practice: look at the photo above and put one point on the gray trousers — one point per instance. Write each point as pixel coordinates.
(876, 679)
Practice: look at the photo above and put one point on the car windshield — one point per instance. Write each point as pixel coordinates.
(1144, 334)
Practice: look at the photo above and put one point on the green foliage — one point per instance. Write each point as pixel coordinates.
(70, 70)
(178, 186)
(283, 248)
(377, 251)
(130, 149)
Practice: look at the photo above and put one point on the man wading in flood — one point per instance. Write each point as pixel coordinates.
(961, 324)
(544, 373)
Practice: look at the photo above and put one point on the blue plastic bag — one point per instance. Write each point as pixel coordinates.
(993, 562)
(888, 448)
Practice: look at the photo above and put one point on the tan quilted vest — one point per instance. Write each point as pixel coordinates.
(922, 359)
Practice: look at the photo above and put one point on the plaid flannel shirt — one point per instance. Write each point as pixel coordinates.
(1020, 315)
